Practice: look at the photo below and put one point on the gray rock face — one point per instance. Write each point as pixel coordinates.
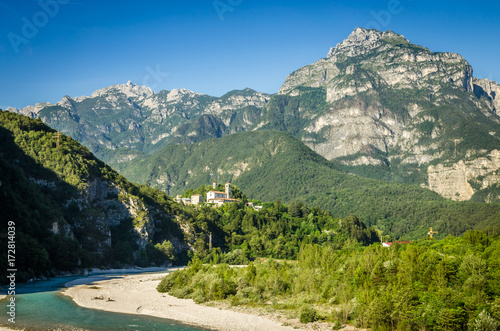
(490, 90)
(353, 126)
(368, 59)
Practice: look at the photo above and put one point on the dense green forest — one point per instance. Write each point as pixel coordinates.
(61, 223)
(240, 234)
(268, 165)
(450, 284)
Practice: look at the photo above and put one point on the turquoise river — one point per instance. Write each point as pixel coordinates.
(41, 306)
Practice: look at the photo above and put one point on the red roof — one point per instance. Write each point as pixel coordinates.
(398, 242)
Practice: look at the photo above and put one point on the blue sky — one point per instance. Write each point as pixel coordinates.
(52, 48)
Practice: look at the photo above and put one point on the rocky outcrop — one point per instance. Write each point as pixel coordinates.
(490, 90)
(456, 181)
(117, 205)
(451, 182)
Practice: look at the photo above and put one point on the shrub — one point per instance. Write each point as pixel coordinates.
(236, 257)
(234, 300)
(484, 322)
(166, 284)
(308, 314)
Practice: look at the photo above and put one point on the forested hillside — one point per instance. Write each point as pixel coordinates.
(70, 210)
(268, 165)
(240, 233)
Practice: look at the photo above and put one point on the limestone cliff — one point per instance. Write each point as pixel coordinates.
(461, 180)
(490, 90)
(394, 108)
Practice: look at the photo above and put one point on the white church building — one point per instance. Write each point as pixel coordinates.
(220, 198)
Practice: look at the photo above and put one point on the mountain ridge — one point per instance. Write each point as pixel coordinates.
(377, 106)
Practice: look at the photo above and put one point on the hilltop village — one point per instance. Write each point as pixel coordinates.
(214, 198)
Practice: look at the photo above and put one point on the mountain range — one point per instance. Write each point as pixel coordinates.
(71, 211)
(377, 106)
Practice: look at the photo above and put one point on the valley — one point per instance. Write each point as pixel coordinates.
(379, 142)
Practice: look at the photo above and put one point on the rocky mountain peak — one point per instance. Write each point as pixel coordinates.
(177, 94)
(66, 102)
(368, 59)
(130, 90)
(361, 41)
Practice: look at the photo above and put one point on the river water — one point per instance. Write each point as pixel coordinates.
(41, 306)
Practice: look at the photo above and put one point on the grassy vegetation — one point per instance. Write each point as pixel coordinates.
(451, 284)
